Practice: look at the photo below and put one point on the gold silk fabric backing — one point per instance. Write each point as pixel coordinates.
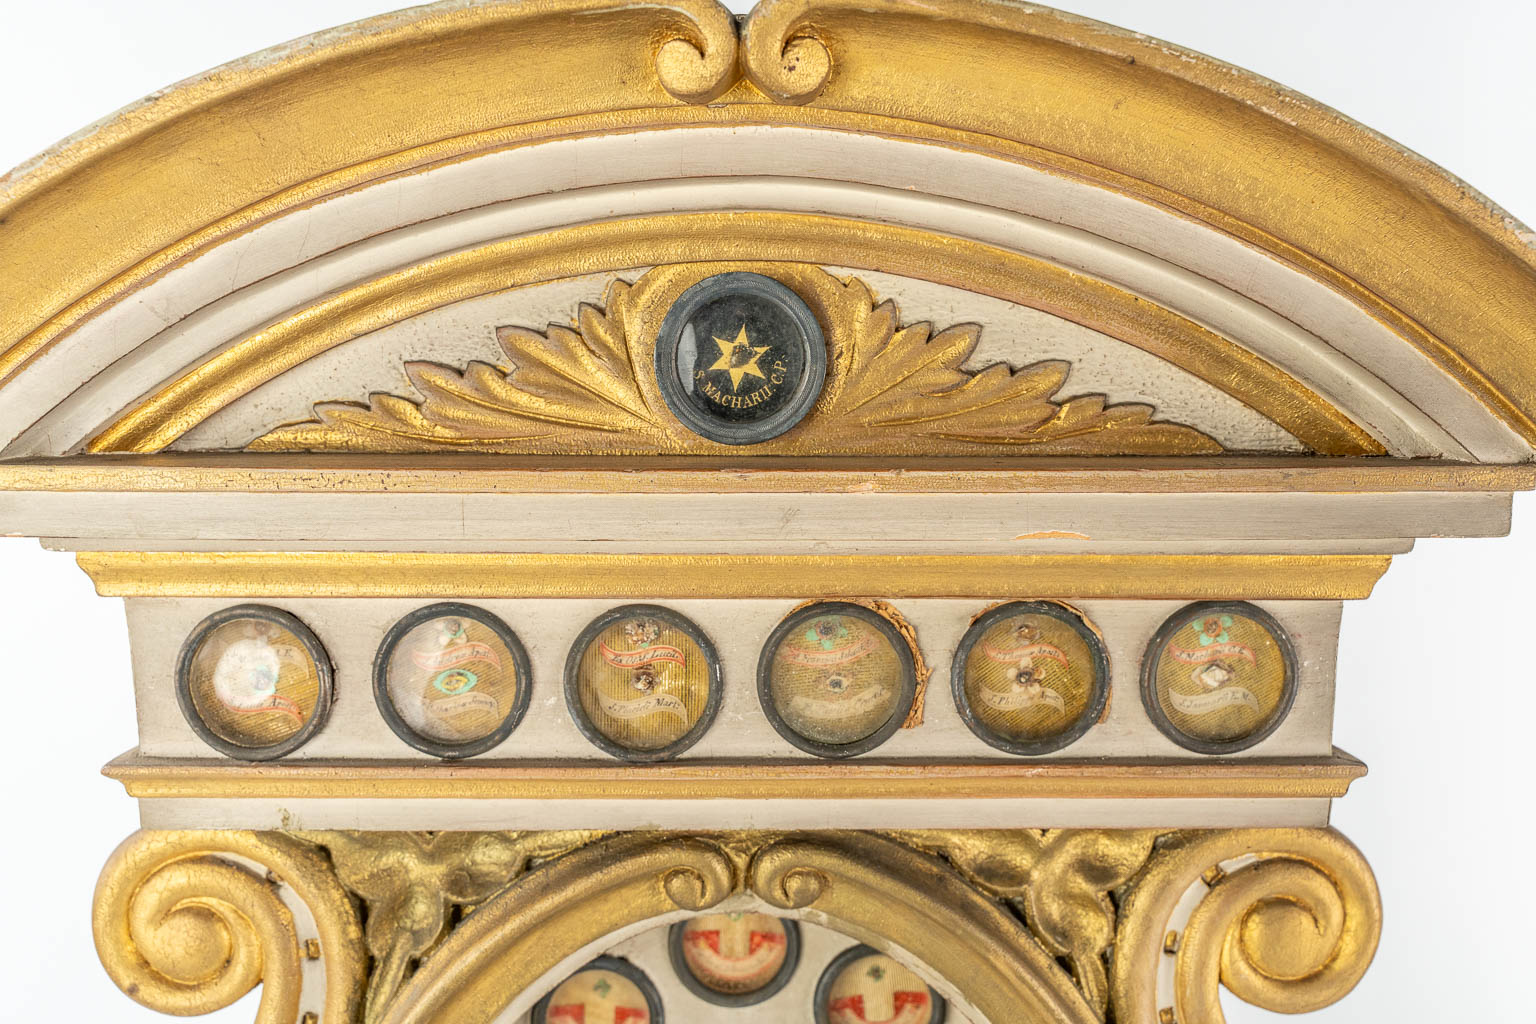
(837, 680)
(452, 679)
(643, 683)
(1220, 677)
(253, 683)
(1030, 677)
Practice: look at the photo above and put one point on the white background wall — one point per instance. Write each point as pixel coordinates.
(1437, 689)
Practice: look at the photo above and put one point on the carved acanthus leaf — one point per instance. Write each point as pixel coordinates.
(1059, 879)
(590, 388)
(411, 882)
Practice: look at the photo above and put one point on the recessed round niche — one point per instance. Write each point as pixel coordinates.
(643, 682)
(1219, 677)
(740, 358)
(452, 680)
(836, 679)
(863, 985)
(607, 989)
(1030, 677)
(735, 959)
(253, 682)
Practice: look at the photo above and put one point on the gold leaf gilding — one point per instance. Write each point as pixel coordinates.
(590, 388)
(187, 922)
(461, 923)
(1058, 879)
(412, 881)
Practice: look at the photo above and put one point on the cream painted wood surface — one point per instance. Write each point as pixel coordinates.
(776, 522)
(1037, 545)
(491, 815)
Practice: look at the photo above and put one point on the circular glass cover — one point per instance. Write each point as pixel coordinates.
(836, 679)
(606, 991)
(643, 682)
(1030, 677)
(864, 986)
(735, 959)
(1219, 677)
(740, 358)
(451, 680)
(253, 682)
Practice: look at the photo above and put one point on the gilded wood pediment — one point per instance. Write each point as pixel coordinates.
(1384, 313)
(681, 135)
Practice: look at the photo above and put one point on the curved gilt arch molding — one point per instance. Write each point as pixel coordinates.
(1442, 268)
(869, 887)
(528, 929)
(780, 237)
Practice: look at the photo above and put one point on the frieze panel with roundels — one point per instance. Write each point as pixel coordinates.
(829, 679)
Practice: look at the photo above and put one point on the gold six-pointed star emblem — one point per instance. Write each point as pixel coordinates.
(739, 357)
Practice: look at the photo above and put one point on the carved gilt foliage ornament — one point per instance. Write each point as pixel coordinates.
(1061, 925)
(1059, 880)
(591, 387)
(412, 882)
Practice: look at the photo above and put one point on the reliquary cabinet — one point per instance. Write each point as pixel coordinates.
(627, 513)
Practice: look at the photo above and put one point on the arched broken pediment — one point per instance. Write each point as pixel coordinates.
(448, 342)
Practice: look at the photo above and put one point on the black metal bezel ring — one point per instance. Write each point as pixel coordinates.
(839, 963)
(836, 750)
(324, 674)
(1098, 699)
(426, 744)
(812, 342)
(1177, 621)
(617, 965)
(573, 682)
(771, 988)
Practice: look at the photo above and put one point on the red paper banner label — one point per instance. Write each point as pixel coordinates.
(1215, 652)
(644, 656)
(1014, 655)
(823, 659)
(452, 657)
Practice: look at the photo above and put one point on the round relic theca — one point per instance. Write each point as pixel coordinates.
(740, 358)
